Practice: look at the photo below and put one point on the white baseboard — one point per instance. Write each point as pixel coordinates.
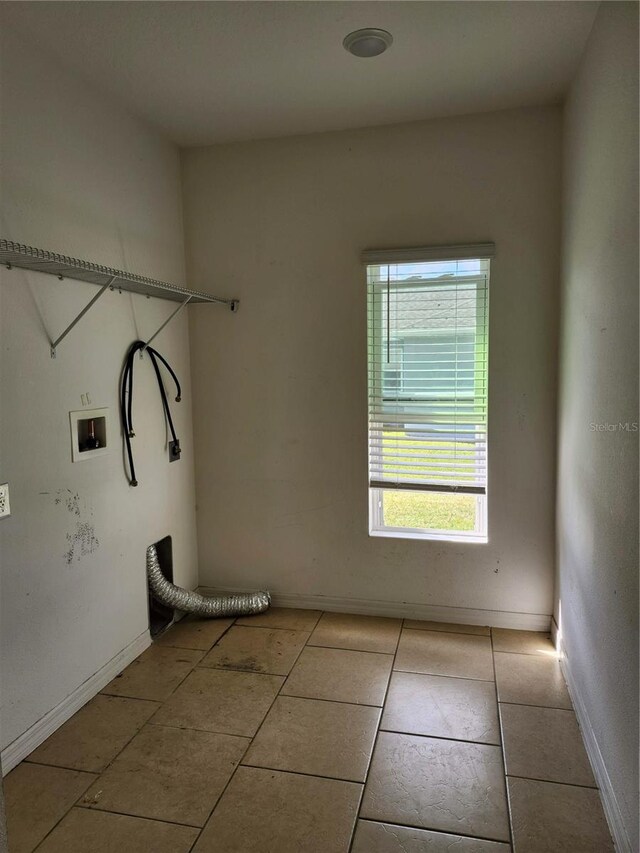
(607, 794)
(402, 609)
(23, 745)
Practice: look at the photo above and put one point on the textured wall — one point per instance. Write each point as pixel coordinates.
(82, 178)
(598, 461)
(280, 389)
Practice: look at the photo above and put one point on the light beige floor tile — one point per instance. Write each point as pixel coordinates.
(530, 680)
(316, 737)
(360, 633)
(551, 818)
(265, 810)
(524, 642)
(374, 837)
(93, 737)
(343, 676)
(192, 633)
(168, 774)
(85, 831)
(457, 708)
(257, 650)
(449, 627)
(438, 653)
(544, 743)
(283, 617)
(216, 700)
(155, 674)
(36, 798)
(443, 785)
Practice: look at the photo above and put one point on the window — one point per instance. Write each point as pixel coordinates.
(428, 356)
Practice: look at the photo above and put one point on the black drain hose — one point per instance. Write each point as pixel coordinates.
(126, 399)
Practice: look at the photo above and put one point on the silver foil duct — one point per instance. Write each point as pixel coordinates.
(240, 604)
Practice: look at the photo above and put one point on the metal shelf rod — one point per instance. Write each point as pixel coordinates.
(166, 323)
(80, 315)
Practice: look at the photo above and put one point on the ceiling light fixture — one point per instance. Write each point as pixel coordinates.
(368, 42)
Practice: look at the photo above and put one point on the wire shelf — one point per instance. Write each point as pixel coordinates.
(39, 260)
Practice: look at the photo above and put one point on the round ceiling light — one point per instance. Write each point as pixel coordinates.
(369, 42)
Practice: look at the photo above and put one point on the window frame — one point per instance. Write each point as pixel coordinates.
(377, 527)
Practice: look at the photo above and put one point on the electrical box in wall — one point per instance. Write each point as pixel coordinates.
(90, 434)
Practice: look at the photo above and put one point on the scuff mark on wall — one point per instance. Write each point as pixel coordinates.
(83, 540)
(72, 500)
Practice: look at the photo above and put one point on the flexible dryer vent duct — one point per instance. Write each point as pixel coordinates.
(240, 604)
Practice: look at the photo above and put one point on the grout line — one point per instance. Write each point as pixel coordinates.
(194, 729)
(341, 649)
(135, 734)
(277, 628)
(439, 831)
(246, 671)
(250, 742)
(90, 808)
(542, 707)
(541, 655)
(553, 782)
(344, 649)
(303, 773)
(439, 631)
(66, 812)
(95, 773)
(502, 752)
(442, 675)
(333, 701)
(440, 737)
(375, 742)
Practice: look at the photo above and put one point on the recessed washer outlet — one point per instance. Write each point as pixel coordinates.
(90, 433)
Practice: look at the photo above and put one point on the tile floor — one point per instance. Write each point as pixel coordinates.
(298, 731)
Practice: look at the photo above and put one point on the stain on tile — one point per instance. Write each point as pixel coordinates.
(458, 708)
(217, 700)
(155, 674)
(359, 633)
(320, 738)
(283, 617)
(192, 633)
(372, 837)
(436, 784)
(523, 642)
(36, 798)
(86, 831)
(266, 810)
(339, 675)
(175, 775)
(544, 743)
(95, 734)
(273, 651)
(530, 680)
(439, 653)
(551, 818)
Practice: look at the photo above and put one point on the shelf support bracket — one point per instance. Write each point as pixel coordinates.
(89, 305)
(166, 323)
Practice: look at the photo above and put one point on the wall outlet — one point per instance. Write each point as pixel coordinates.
(5, 509)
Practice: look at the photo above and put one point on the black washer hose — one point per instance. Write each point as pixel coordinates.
(126, 397)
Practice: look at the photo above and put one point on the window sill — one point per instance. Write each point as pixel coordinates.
(474, 538)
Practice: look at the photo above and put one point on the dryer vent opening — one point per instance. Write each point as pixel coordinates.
(209, 607)
(161, 615)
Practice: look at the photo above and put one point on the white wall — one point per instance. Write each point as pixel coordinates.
(280, 388)
(80, 177)
(598, 471)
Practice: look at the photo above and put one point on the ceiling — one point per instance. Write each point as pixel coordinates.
(209, 72)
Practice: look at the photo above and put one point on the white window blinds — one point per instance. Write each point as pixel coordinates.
(428, 351)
